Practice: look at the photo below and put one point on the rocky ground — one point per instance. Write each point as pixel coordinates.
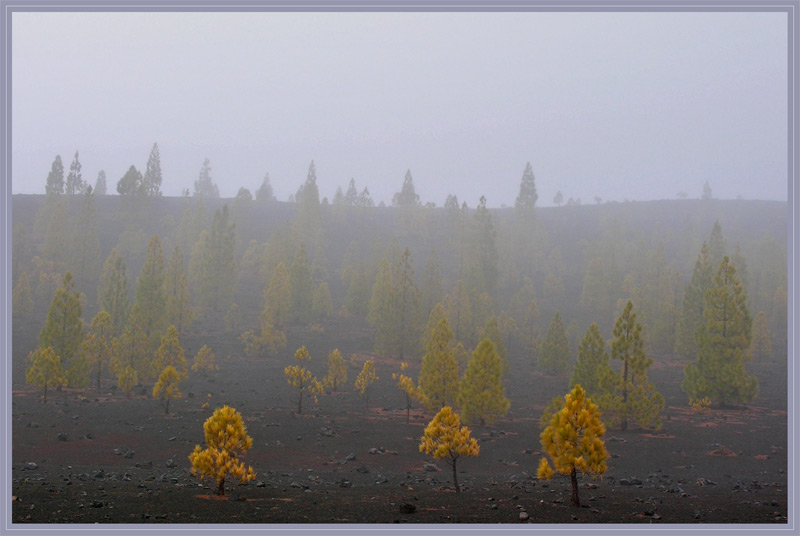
(99, 457)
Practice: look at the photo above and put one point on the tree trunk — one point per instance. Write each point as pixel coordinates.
(221, 488)
(408, 413)
(45, 392)
(573, 477)
(455, 477)
(300, 403)
(99, 371)
(166, 408)
(625, 395)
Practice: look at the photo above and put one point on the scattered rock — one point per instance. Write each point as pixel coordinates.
(171, 464)
(172, 438)
(523, 516)
(624, 482)
(345, 484)
(430, 467)
(613, 439)
(407, 508)
(350, 457)
(129, 453)
(33, 425)
(63, 437)
(97, 504)
(261, 484)
(31, 466)
(381, 480)
(362, 469)
(99, 474)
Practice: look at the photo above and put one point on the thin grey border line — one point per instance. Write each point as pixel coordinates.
(421, 7)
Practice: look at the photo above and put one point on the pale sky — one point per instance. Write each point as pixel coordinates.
(616, 105)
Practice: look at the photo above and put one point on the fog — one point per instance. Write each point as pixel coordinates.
(615, 105)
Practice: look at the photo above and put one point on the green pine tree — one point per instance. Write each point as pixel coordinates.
(554, 355)
(481, 394)
(63, 330)
(724, 344)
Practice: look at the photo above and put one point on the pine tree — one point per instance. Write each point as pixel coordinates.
(308, 210)
(100, 186)
(301, 378)
(22, 300)
(481, 394)
(151, 182)
(56, 244)
(365, 379)
(383, 310)
(351, 197)
(226, 438)
(492, 332)
(337, 372)
(213, 265)
(554, 355)
(572, 440)
(322, 306)
(86, 244)
(724, 341)
(127, 379)
(170, 354)
(167, 386)
(407, 303)
(459, 312)
(446, 438)
(63, 330)
(55, 179)
(483, 267)
(639, 400)
(279, 296)
(592, 370)
(204, 186)
(406, 386)
(301, 285)
(112, 293)
(45, 370)
(406, 197)
(691, 317)
(176, 291)
(74, 184)
(100, 346)
(134, 347)
(150, 296)
(264, 194)
(130, 185)
(204, 361)
(438, 377)
(432, 291)
(526, 200)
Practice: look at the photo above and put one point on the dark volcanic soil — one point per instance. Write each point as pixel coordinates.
(121, 460)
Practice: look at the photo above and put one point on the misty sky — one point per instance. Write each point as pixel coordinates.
(621, 106)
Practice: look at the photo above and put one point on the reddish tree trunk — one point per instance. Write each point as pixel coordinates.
(221, 488)
(455, 477)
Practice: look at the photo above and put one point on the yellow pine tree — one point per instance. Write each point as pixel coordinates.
(204, 361)
(438, 377)
(45, 370)
(301, 378)
(170, 353)
(226, 438)
(127, 379)
(337, 372)
(167, 386)
(572, 440)
(446, 438)
(406, 386)
(365, 378)
(481, 394)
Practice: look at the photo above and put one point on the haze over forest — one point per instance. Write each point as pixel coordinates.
(612, 106)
